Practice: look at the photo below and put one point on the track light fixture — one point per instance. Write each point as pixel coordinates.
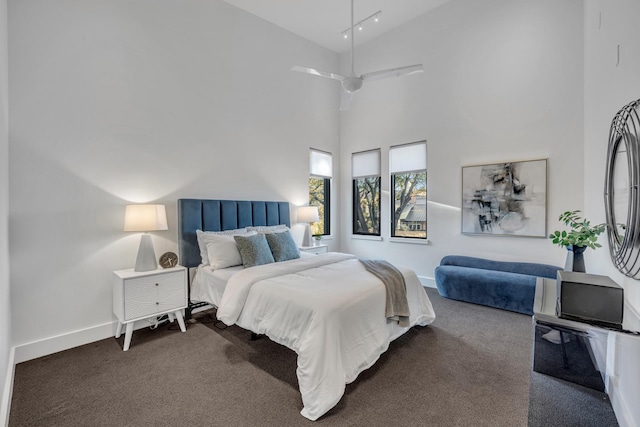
(359, 26)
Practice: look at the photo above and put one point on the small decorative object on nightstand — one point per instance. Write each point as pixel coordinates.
(318, 249)
(168, 260)
(144, 295)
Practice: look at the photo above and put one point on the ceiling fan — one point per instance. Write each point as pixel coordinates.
(351, 83)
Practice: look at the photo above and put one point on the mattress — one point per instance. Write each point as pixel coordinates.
(208, 285)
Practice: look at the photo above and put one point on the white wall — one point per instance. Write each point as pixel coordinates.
(6, 362)
(503, 81)
(115, 102)
(125, 101)
(609, 85)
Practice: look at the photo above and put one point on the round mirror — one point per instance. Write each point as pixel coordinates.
(622, 180)
(620, 189)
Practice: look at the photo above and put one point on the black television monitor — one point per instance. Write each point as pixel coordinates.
(590, 298)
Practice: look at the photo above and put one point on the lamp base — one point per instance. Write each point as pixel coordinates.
(307, 239)
(146, 260)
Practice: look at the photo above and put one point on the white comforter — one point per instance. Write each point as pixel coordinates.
(329, 310)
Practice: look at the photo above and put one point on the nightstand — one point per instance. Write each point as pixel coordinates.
(147, 294)
(319, 249)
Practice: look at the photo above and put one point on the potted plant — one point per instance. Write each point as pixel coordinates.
(317, 238)
(582, 235)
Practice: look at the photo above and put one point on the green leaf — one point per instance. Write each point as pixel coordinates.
(581, 234)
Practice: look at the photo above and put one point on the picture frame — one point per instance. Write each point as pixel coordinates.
(505, 199)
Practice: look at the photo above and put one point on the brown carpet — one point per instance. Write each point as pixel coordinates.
(469, 368)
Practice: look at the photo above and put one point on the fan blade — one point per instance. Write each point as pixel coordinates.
(318, 72)
(345, 100)
(393, 72)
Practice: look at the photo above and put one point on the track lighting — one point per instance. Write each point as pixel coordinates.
(359, 24)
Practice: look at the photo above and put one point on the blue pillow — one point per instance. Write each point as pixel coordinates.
(282, 246)
(254, 250)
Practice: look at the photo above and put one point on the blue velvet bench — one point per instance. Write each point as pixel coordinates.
(500, 284)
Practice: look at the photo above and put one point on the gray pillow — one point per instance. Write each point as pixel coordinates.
(282, 246)
(254, 250)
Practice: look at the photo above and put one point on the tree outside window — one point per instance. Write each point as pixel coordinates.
(319, 196)
(365, 172)
(366, 205)
(409, 205)
(320, 171)
(408, 170)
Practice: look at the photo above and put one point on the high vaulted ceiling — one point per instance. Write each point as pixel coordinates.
(323, 21)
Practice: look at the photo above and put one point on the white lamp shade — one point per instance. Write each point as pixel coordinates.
(308, 214)
(145, 218)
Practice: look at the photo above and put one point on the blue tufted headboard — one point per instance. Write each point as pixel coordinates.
(218, 215)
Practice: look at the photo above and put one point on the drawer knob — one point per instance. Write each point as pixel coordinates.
(157, 284)
(157, 303)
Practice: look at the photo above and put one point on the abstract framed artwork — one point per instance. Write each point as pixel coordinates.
(505, 199)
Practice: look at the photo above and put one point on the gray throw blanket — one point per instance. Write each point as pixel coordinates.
(397, 307)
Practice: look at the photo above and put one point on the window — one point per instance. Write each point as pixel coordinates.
(408, 169)
(320, 171)
(365, 167)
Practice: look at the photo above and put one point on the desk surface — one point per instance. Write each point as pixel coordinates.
(544, 309)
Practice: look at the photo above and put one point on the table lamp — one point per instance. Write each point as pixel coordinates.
(307, 214)
(145, 218)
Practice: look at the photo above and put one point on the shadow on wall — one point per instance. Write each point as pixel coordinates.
(68, 231)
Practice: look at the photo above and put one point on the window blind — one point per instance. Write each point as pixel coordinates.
(408, 157)
(365, 164)
(320, 163)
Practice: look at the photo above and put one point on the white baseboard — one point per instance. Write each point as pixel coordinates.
(5, 405)
(46, 346)
(620, 406)
(428, 282)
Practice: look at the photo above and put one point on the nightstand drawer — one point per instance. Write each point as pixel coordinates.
(139, 295)
(317, 250)
(146, 296)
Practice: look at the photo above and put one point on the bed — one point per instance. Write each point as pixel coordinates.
(327, 308)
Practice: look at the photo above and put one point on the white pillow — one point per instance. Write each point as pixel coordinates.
(204, 237)
(223, 252)
(267, 229)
